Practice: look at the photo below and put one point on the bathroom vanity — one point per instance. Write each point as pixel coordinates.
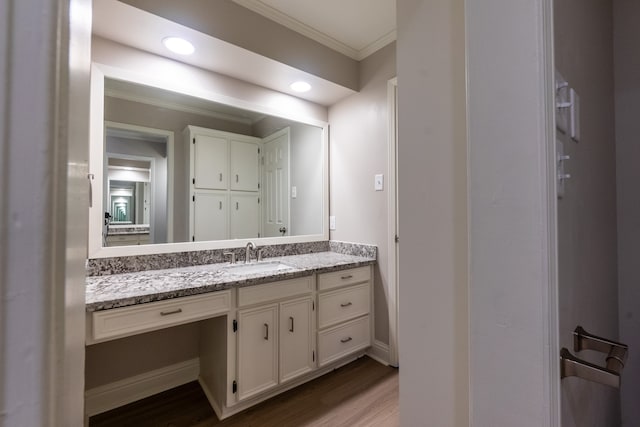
(265, 327)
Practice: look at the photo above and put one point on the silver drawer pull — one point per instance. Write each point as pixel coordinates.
(167, 313)
(266, 331)
(346, 304)
(344, 340)
(350, 276)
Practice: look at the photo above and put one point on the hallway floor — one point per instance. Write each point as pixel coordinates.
(363, 393)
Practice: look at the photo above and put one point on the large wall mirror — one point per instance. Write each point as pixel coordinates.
(175, 172)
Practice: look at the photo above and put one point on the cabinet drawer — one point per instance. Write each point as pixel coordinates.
(274, 291)
(343, 339)
(343, 304)
(344, 277)
(120, 322)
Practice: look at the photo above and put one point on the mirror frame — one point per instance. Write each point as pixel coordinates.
(96, 165)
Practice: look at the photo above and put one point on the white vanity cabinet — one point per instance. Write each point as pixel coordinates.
(275, 341)
(224, 184)
(257, 350)
(344, 306)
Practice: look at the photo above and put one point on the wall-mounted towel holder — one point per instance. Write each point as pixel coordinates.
(571, 366)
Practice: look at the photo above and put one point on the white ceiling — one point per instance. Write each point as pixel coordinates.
(145, 32)
(355, 28)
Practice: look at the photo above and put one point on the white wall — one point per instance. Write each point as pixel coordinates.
(627, 128)
(358, 151)
(42, 179)
(432, 179)
(583, 42)
(514, 359)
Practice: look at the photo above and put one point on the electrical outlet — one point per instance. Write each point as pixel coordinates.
(294, 192)
(332, 223)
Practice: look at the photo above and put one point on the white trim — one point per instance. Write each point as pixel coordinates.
(388, 38)
(392, 207)
(379, 352)
(318, 36)
(118, 393)
(550, 200)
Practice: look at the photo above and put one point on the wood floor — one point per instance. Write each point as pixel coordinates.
(361, 394)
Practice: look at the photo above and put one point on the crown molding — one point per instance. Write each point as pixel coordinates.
(310, 32)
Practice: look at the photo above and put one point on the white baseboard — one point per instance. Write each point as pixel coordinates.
(379, 352)
(113, 395)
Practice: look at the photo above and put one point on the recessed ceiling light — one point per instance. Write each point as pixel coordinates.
(300, 86)
(178, 45)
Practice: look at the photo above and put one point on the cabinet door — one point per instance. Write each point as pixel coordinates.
(210, 163)
(209, 216)
(257, 350)
(296, 338)
(244, 166)
(245, 216)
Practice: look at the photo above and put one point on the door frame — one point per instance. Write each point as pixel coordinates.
(392, 208)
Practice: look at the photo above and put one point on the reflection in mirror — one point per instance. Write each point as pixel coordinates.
(237, 174)
(135, 185)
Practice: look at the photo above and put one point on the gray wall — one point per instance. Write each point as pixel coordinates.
(123, 358)
(627, 103)
(587, 212)
(358, 151)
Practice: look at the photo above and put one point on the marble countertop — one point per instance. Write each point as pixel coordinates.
(121, 290)
(118, 230)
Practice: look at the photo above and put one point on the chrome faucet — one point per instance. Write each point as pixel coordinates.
(247, 256)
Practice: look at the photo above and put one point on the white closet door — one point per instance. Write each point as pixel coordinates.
(244, 166)
(210, 163)
(210, 216)
(276, 184)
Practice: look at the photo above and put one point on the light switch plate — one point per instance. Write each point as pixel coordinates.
(332, 223)
(379, 182)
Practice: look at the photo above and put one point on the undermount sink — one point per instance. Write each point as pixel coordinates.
(255, 268)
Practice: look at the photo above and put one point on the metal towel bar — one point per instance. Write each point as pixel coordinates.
(571, 366)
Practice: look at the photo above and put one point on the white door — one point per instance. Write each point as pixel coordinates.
(257, 350)
(276, 184)
(210, 163)
(244, 216)
(296, 338)
(244, 166)
(209, 216)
